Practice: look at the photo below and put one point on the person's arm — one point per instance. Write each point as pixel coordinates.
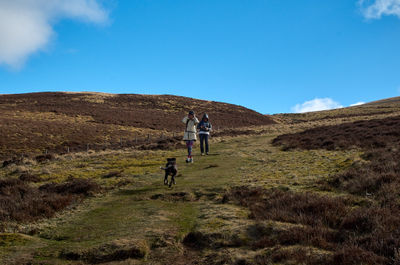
(185, 119)
(196, 121)
(209, 127)
(199, 126)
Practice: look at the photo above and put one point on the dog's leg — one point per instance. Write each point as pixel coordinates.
(173, 179)
(166, 178)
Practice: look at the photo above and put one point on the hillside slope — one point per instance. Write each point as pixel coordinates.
(32, 123)
(395, 101)
(139, 220)
(293, 194)
(376, 109)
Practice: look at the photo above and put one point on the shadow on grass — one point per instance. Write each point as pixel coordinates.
(130, 192)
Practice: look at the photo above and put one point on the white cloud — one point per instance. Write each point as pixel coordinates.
(26, 26)
(357, 104)
(378, 8)
(317, 105)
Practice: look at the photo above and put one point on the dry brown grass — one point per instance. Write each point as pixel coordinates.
(113, 251)
(327, 223)
(33, 123)
(372, 226)
(23, 202)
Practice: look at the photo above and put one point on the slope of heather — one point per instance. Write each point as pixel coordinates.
(367, 134)
(376, 109)
(395, 101)
(32, 123)
(376, 178)
(161, 112)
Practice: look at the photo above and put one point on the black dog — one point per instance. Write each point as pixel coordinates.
(170, 169)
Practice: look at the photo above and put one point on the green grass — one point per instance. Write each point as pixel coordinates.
(10, 239)
(129, 212)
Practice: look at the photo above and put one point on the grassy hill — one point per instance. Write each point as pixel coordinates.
(56, 122)
(316, 191)
(385, 103)
(376, 109)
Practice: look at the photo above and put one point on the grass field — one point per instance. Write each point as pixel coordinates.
(138, 220)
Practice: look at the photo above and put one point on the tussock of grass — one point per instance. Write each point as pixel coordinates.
(311, 256)
(29, 178)
(22, 202)
(116, 250)
(9, 239)
(83, 187)
(286, 206)
(329, 223)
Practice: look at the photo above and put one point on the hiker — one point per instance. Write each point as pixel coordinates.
(205, 128)
(190, 133)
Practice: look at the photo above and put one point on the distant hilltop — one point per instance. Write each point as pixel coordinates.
(35, 122)
(376, 109)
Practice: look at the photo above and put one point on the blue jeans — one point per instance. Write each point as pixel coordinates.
(204, 139)
(189, 145)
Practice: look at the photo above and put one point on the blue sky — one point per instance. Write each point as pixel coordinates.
(269, 55)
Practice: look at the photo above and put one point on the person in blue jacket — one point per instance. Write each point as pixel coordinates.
(205, 128)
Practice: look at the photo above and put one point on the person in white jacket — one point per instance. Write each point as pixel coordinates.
(190, 133)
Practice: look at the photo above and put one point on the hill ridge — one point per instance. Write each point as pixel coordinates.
(35, 122)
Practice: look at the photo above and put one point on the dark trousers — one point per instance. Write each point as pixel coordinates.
(204, 139)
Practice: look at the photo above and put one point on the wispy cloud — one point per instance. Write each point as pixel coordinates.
(377, 8)
(26, 26)
(357, 104)
(317, 104)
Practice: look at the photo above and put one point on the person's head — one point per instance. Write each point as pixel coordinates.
(191, 114)
(205, 117)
